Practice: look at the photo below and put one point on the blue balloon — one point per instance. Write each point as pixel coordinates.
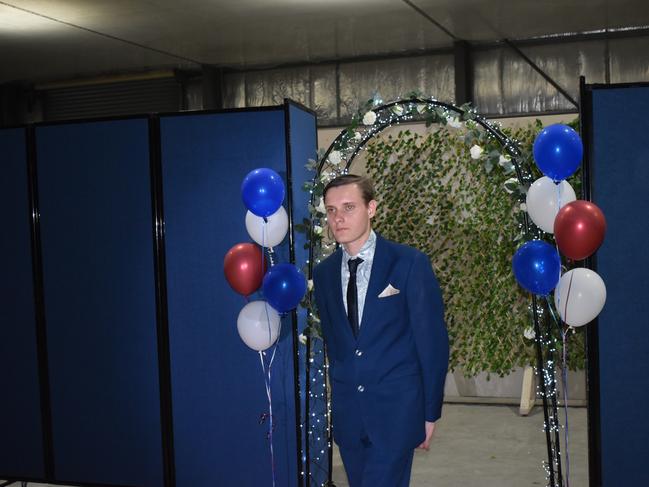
(558, 151)
(262, 191)
(284, 287)
(537, 267)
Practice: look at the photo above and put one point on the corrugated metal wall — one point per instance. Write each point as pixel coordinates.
(503, 82)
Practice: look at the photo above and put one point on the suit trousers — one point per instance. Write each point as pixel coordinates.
(368, 466)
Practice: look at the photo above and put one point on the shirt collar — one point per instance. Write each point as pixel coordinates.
(367, 250)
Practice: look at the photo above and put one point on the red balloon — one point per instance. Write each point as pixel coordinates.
(579, 229)
(244, 267)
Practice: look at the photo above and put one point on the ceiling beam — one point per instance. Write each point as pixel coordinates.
(431, 20)
(102, 34)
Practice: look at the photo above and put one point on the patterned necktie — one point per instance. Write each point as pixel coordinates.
(352, 295)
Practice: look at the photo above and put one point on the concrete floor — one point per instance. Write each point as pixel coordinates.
(485, 445)
(489, 445)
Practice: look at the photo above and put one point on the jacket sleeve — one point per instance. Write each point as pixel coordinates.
(426, 314)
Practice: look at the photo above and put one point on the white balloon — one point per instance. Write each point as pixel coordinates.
(258, 325)
(545, 199)
(270, 233)
(580, 296)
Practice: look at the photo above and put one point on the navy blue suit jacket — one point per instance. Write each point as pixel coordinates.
(390, 379)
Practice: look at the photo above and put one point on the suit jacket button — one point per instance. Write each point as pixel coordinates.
(359, 353)
(361, 388)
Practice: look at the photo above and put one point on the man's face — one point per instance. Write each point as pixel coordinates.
(348, 216)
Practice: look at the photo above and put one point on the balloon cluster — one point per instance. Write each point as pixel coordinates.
(578, 227)
(246, 268)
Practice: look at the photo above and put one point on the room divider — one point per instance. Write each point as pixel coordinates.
(120, 362)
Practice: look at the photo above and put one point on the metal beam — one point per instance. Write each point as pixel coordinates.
(545, 76)
(463, 72)
(431, 20)
(212, 87)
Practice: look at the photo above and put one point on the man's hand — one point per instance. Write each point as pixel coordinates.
(430, 429)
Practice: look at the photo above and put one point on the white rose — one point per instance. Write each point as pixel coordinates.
(317, 229)
(529, 333)
(398, 110)
(302, 338)
(335, 157)
(309, 284)
(506, 163)
(523, 207)
(321, 207)
(456, 124)
(510, 182)
(357, 136)
(476, 152)
(369, 118)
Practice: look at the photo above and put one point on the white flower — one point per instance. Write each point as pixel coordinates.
(523, 207)
(510, 184)
(335, 157)
(421, 107)
(309, 284)
(321, 207)
(430, 220)
(529, 333)
(476, 152)
(317, 229)
(398, 110)
(506, 163)
(302, 338)
(369, 118)
(357, 136)
(456, 124)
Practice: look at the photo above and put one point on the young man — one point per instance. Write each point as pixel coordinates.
(383, 323)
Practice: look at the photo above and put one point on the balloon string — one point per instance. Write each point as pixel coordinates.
(264, 248)
(270, 332)
(270, 412)
(267, 383)
(263, 245)
(565, 308)
(267, 373)
(557, 291)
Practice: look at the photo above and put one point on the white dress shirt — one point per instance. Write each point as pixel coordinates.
(362, 273)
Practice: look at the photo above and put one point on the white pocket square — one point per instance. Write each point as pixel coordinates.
(389, 291)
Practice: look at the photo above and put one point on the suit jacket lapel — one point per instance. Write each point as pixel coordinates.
(337, 288)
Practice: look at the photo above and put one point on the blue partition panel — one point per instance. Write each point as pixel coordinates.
(98, 270)
(21, 442)
(620, 162)
(303, 144)
(217, 381)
